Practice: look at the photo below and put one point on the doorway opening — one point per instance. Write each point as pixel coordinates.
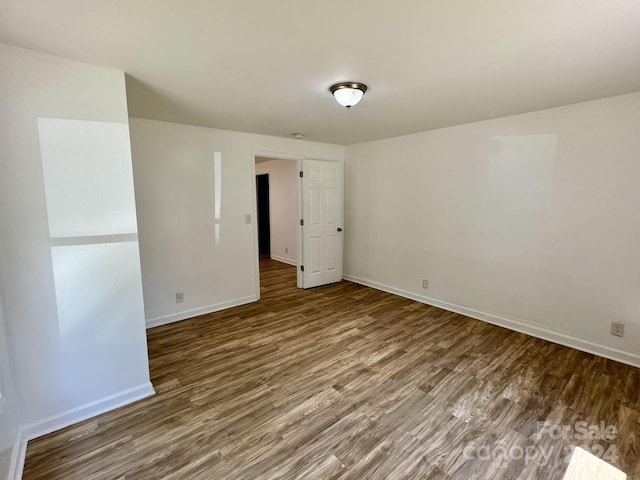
(264, 220)
(277, 211)
(307, 211)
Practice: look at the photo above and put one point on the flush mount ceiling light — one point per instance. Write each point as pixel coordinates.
(348, 93)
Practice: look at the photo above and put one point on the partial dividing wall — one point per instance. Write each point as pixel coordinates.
(69, 263)
(195, 197)
(11, 418)
(528, 221)
(283, 207)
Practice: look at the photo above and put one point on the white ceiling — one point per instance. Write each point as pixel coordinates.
(265, 66)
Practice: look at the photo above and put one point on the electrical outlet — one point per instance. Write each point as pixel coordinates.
(617, 329)
(179, 297)
(247, 218)
(425, 284)
(286, 250)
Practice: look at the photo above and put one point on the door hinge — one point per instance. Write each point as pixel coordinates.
(302, 268)
(301, 222)
(301, 174)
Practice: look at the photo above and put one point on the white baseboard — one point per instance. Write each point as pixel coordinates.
(511, 324)
(89, 410)
(18, 455)
(284, 260)
(176, 317)
(71, 417)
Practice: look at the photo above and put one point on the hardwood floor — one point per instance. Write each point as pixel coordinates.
(346, 382)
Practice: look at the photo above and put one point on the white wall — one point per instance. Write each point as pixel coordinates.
(10, 409)
(5, 463)
(69, 264)
(283, 207)
(184, 246)
(529, 221)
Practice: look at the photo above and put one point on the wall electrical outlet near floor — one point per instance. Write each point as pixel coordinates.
(617, 329)
(179, 297)
(425, 284)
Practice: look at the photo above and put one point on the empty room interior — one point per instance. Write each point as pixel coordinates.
(320, 240)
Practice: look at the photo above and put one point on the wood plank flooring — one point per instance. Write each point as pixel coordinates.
(346, 382)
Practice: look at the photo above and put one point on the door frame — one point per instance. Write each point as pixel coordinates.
(254, 211)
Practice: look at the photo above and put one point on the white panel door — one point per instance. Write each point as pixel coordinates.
(322, 211)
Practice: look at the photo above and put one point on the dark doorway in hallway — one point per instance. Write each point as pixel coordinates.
(264, 221)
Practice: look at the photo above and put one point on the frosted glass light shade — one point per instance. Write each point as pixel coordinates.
(348, 97)
(348, 94)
